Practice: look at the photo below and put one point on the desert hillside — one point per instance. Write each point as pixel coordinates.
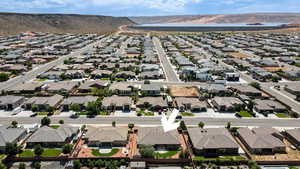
(228, 18)
(13, 23)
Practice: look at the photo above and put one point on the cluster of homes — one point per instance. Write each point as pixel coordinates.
(130, 96)
(118, 58)
(192, 63)
(208, 142)
(22, 52)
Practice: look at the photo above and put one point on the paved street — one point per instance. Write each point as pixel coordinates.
(156, 121)
(44, 68)
(170, 74)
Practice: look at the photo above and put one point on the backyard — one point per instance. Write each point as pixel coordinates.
(46, 153)
(97, 153)
(168, 154)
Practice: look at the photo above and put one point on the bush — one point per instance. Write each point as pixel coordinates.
(77, 164)
(12, 149)
(61, 121)
(4, 77)
(67, 148)
(294, 115)
(130, 126)
(201, 124)
(113, 123)
(37, 165)
(147, 151)
(38, 150)
(45, 121)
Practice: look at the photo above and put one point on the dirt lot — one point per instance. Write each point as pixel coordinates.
(274, 69)
(184, 91)
(291, 155)
(239, 55)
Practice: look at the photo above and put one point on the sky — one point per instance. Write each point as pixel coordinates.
(149, 7)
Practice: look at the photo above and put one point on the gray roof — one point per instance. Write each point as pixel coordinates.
(211, 138)
(150, 87)
(106, 134)
(51, 101)
(157, 136)
(117, 100)
(10, 99)
(48, 134)
(9, 134)
(79, 100)
(295, 133)
(260, 138)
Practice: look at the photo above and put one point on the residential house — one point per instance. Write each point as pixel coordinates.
(226, 103)
(262, 140)
(26, 88)
(268, 106)
(106, 136)
(98, 74)
(151, 89)
(60, 87)
(10, 102)
(87, 86)
(293, 135)
(117, 103)
(49, 137)
(190, 104)
(82, 101)
(10, 134)
(153, 103)
(156, 137)
(212, 142)
(43, 103)
(122, 88)
(246, 90)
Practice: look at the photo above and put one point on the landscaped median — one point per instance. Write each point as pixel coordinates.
(46, 153)
(97, 153)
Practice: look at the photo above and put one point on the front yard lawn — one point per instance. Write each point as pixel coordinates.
(144, 113)
(282, 115)
(168, 154)
(187, 114)
(96, 152)
(42, 113)
(46, 153)
(54, 126)
(245, 114)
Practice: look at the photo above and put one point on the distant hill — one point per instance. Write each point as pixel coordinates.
(227, 18)
(13, 23)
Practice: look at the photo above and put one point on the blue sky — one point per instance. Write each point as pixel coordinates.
(149, 7)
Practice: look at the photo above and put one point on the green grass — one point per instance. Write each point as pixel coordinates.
(103, 113)
(105, 78)
(282, 115)
(119, 79)
(168, 154)
(96, 152)
(41, 80)
(222, 158)
(2, 156)
(245, 114)
(187, 114)
(51, 152)
(46, 153)
(27, 153)
(144, 113)
(54, 126)
(82, 113)
(42, 113)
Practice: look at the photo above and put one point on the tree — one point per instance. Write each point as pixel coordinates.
(67, 148)
(83, 127)
(147, 151)
(75, 107)
(184, 154)
(130, 126)
(146, 82)
(201, 124)
(61, 121)
(4, 77)
(93, 108)
(228, 125)
(50, 109)
(45, 121)
(14, 124)
(255, 84)
(182, 125)
(294, 115)
(113, 123)
(34, 108)
(2, 166)
(91, 164)
(77, 164)
(37, 165)
(22, 166)
(12, 149)
(38, 150)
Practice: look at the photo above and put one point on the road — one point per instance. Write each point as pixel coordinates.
(170, 74)
(156, 121)
(44, 68)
